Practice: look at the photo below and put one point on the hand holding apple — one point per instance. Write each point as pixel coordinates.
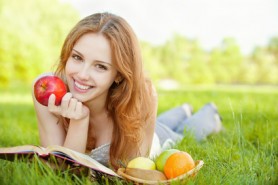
(47, 85)
(70, 107)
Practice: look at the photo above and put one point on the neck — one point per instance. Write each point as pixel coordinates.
(96, 107)
(99, 118)
(101, 127)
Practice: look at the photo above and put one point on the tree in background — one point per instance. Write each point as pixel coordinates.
(226, 62)
(184, 61)
(266, 65)
(31, 35)
(32, 32)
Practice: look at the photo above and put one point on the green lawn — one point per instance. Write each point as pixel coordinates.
(245, 153)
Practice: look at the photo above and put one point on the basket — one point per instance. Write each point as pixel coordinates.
(198, 165)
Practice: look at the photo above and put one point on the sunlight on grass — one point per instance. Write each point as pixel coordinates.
(244, 153)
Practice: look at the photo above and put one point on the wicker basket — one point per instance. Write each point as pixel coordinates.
(198, 165)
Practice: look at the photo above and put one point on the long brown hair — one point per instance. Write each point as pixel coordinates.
(129, 103)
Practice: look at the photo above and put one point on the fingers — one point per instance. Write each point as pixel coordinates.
(66, 100)
(51, 100)
(79, 108)
(51, 105)
(70, 107)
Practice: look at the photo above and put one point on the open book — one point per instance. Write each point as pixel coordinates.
(75, 159)
(57, 152)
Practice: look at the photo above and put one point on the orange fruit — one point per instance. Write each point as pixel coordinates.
(178, 164)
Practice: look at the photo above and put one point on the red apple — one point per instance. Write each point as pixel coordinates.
(47, 85)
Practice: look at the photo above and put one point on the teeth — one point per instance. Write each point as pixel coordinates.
(83, 87)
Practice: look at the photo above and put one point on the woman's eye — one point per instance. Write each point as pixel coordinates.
(76, 57)
(101, 67)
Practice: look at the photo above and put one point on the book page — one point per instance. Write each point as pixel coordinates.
(24, 149)
(80, 158)
(58, 151)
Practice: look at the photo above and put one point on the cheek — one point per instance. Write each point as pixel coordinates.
(112, 76)
(109, 79)
(70, 67)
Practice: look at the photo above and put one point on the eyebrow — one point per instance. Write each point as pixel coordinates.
(96, 60)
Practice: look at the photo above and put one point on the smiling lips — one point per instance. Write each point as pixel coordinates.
(81, 87)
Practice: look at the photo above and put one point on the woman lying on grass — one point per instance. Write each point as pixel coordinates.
(110, 109)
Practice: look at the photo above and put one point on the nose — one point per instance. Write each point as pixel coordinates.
(84, 73)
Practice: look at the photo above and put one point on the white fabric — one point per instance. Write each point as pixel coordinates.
(156, 147)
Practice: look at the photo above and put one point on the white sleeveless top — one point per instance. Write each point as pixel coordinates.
(101, 153)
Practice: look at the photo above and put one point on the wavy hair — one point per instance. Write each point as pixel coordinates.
(129, 103)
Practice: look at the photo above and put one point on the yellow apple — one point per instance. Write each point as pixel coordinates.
(142, 163)
(146, 174)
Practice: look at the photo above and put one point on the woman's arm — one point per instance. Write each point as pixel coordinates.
(51, 129)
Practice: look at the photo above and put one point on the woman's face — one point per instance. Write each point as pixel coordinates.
(89, 69)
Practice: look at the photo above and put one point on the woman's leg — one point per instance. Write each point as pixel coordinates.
(173, 117)
(164, 133)
(203, 123)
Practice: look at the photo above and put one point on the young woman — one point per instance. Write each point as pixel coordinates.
(110, 109)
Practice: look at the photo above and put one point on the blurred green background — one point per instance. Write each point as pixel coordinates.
(32, 33)
(243, 86)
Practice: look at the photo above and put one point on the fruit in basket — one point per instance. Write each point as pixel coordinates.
(142, 163)
(47, 85)
(177, 164)
(162, 158)
(153, 175)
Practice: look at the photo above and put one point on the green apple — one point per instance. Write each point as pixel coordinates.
(142, 163)
(162, 158)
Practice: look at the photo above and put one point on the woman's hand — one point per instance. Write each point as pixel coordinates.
(70, 107)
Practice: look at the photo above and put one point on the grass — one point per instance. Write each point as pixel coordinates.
(245, 153)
